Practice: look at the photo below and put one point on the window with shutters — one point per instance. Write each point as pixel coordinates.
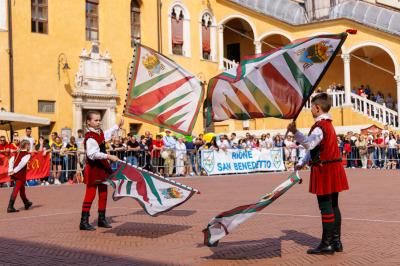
(92, 20)
(179, 30)
(206, 24)
(39, 16)
(135, 22)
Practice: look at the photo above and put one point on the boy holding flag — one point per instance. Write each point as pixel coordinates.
(97, 168)
(327, 177)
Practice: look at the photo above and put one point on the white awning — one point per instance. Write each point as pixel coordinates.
(20, 121)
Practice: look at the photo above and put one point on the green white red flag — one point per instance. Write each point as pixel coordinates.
(161, 92)
(154, 193)
(274, 84)
(224, 223)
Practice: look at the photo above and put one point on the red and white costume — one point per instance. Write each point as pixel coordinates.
(18, 164)
(327, 172)
(97, 167)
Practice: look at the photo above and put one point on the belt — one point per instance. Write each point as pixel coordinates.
(321, 162)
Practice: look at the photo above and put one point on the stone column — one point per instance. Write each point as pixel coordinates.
(397, 78)
(258, 46)
(112, 117)
(77, 115)
(221, 46)
(347, 80)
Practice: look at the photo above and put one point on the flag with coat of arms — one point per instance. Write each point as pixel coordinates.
(161, 92)
(154, 193)
(274, 84)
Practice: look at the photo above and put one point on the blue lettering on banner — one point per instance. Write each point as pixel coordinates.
(242, 155)
(224, 167)
(260, 164)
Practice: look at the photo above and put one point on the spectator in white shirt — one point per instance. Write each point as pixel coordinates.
(181, 157)
(29, 138)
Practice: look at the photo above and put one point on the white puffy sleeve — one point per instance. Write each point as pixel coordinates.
(93, 150)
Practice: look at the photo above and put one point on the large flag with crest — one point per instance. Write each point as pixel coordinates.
(154, 193)
(225, 222)
(274, 84)
(161, 92)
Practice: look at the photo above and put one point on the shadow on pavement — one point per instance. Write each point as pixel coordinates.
(301, 238)
(179, 213)
(260, 249)
(33, 207)
(147, 230)
(17, 252)
(250, 249)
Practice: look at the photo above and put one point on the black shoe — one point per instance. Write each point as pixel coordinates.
(102, 221)
(325, 247)
(84, 225)
(11, 206)
(27, 204)
(336, 243)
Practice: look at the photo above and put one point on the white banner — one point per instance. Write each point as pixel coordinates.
(242, 161)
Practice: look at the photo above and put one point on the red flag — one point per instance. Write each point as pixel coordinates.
(38, 167)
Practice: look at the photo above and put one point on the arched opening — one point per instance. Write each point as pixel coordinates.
(333, 79)
(274, 40)
(179, 30)
(372, 72)
(207, 36)
(238, 39)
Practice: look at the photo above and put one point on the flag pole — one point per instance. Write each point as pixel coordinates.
(344, 34)
(130, 76)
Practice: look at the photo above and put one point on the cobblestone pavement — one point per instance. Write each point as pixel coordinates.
(280, 235)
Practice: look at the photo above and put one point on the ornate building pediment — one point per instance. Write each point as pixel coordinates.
(95, 88)
(94, 78)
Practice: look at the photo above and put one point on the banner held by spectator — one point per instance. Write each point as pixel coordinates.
(154, 193)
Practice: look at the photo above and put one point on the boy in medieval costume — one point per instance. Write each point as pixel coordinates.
(17, 167)
(327, 177)
(97, 168)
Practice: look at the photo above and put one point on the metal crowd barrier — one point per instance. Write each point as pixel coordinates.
(68, 166)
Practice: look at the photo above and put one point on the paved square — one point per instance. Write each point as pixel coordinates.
(48, 234)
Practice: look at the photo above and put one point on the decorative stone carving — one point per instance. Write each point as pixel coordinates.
(95, 75)
(95, 87)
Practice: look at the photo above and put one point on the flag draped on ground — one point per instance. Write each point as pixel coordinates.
(274, 84)
(226, 222)
(154, 193)
(161, 92)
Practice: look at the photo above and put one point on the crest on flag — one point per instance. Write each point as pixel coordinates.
(315, 54)
(152, 63)
(161, 92)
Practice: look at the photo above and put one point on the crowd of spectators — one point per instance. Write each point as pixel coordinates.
(171, 155)
(366, 92)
